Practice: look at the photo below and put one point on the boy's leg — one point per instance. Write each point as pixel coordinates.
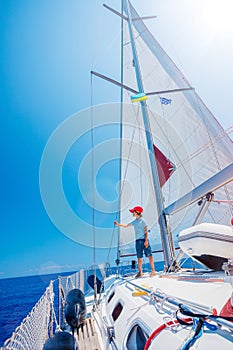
(140, 265)
(151, 260)
(139, 249)
(148, 253)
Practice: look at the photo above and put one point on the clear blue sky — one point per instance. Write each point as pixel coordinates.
(47, 49)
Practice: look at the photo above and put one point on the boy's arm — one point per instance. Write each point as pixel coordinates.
(121, 225)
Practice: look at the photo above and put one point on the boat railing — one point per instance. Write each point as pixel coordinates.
(47, 316)
(36, 326)
(65, 284)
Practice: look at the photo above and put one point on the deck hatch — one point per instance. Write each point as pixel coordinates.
(117, 311)
(137, 338)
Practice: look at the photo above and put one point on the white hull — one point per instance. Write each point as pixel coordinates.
(129, 310)
(205, 294)
(210, 244)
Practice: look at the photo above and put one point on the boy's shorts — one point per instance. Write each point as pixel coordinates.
(140, 248)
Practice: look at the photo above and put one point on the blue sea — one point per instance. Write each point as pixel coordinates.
(18, 296)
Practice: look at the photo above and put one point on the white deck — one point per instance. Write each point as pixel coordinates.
(209, 291)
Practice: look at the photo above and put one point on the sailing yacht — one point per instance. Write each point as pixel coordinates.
(177, 163)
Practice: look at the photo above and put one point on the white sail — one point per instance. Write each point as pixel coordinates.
(183, 129)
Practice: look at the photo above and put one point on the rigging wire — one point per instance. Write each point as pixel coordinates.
(169, 151)
(131, 143)
(171, 146)
(93, 190)
(204, 147)
(229, 130)
(140, 164)
(123, 179)
(212, 143)
(222, 201)
(136, 113)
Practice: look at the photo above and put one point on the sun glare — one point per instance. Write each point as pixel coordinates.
(217, 16)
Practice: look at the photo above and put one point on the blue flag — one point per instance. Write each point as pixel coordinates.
(165, 101)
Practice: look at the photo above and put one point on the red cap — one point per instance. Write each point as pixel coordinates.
(232, 221)
(137, 209)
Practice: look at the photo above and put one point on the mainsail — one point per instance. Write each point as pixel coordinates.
(184, 131)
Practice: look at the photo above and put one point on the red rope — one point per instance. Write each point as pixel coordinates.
(159, 329)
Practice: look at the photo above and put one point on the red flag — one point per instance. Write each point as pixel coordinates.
(165, 166)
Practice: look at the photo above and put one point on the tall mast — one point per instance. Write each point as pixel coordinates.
(121, 113)
(167, 251)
